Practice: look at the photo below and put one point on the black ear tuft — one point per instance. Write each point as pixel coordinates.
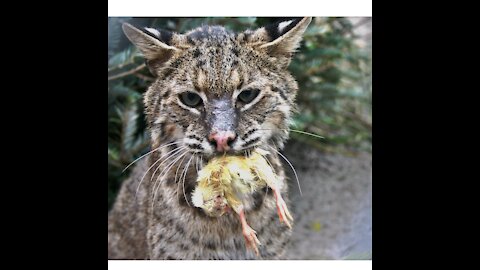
(152, 43)
(282, 38)
(162, 35)
(282, 26)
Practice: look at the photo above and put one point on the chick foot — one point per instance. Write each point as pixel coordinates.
(249, 234)
(283, 213)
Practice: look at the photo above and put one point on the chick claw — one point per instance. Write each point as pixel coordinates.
(251, 239)
(282, 209)
(249, 234)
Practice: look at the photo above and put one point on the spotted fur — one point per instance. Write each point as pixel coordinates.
(218, 65)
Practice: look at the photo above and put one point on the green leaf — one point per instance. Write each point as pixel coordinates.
(120, 90)
(113, 154)
(122, 58)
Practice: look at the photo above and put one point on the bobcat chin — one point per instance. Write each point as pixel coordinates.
(216, 92)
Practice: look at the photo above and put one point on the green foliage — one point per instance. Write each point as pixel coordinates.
(333, 73)
(335, 92)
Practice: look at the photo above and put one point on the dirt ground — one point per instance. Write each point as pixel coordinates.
(333, 218)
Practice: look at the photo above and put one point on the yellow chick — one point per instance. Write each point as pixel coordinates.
(227, 180)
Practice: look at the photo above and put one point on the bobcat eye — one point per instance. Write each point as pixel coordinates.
(190, 99)
(248, 96)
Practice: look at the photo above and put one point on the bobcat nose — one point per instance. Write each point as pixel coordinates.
(222, 140)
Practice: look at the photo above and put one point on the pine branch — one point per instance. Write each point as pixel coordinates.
(126, 73)
(145, 78)
(120, 66)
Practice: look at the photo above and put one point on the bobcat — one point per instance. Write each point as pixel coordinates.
(216, 92)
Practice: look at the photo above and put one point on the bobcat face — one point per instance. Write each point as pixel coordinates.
(217, 91)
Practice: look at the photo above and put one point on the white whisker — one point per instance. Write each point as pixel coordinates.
(176, 173)
(172, 156)
(296, 131)
(160, 158)
(167, 158)
(273, 169)
(156, 149)
(268, 161)
(291, 166)
(184, 176)
(141, 180)
(196, 163)
(169, 166)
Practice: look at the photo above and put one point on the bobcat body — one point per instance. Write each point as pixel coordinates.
(216, 92)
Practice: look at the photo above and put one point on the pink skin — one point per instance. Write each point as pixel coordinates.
(282, 209)
(249, 234)
(220, 206)
(222, 138)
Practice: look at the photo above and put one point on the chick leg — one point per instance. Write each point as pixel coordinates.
(282, 209)
(248, 233)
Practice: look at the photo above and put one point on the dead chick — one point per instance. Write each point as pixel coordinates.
(226, 181)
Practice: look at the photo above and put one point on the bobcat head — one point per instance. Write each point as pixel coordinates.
(217, 91)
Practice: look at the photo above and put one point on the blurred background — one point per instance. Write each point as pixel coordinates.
(333, 69)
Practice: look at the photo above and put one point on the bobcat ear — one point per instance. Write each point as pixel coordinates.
(280, 40)
(153, 44)
(286, 36)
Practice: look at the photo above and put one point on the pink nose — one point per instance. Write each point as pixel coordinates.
(222, 139)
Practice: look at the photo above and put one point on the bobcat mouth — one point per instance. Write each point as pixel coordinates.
(236, 152)
(242, 152)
